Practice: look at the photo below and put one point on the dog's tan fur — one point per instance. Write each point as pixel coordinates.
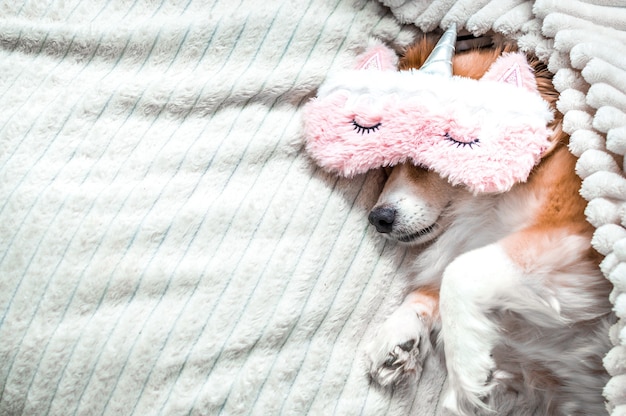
(538, 232)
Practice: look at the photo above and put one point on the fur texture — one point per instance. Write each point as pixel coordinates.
(522, 311)
(486, 134)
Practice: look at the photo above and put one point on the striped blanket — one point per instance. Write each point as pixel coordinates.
(166, 246)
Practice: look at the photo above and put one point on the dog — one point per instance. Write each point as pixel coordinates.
(506, 287)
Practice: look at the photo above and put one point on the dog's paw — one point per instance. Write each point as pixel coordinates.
(396, 352)
(471, 386)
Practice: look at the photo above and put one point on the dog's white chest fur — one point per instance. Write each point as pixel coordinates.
(478, 222)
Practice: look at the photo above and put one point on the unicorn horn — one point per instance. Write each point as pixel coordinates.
(440, 59)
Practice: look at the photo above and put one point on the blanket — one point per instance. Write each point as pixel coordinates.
(167, 247)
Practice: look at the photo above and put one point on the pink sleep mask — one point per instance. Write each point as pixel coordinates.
(485, 134)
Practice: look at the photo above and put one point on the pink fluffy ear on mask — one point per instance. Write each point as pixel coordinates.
(378, 57)
(513, 69)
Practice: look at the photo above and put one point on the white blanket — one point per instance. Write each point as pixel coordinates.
(166, 245)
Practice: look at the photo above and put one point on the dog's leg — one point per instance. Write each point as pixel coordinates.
(473, 286)
(530, 274)
(397, 351)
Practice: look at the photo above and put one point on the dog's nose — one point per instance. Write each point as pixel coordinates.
(382, 218)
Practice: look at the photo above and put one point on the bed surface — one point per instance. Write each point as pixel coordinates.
(168, 248)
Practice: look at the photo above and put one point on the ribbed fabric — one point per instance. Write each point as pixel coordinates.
(167, 246)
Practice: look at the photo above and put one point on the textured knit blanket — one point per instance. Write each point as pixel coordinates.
(167, 247)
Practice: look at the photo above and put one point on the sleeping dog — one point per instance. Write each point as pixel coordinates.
(507, 283)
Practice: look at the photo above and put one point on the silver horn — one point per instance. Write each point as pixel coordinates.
(440, 59)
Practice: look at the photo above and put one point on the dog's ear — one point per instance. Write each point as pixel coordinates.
(513, 68)
(378, 56)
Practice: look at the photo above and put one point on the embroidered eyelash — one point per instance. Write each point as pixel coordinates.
(362, 129)
(459, 143)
